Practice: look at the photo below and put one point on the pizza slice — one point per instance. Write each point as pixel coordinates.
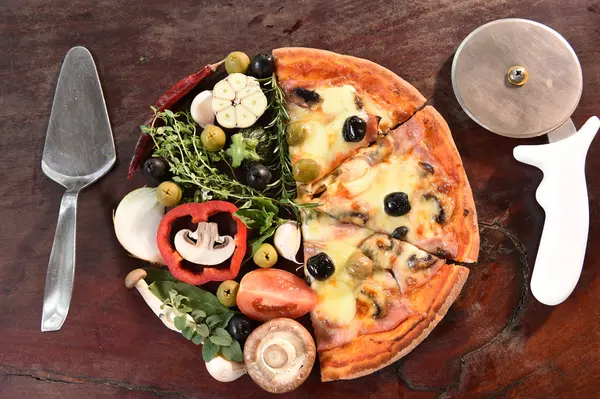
(337, 104)
(410, 184)
(378, 297)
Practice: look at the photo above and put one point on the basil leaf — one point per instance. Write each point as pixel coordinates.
(233, 352)
(198, 298)
(209, 350)
(257, 242)
(180, 322)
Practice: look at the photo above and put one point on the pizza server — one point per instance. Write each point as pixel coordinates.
(519, 78)
(79, 150)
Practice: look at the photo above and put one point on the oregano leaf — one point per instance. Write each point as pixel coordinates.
(209, 350)
(219, 340)
(180, 322)
(187, 332)
(233, 352)
(203, 330)
(197, 339)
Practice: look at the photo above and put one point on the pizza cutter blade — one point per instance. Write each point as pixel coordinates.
(521, 79)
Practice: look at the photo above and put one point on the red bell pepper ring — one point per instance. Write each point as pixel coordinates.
(200, 212)
(166, 101)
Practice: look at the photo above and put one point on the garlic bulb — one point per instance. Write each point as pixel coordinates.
(238, 101)
(287, 240)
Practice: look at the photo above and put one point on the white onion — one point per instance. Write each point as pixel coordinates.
(136, 224)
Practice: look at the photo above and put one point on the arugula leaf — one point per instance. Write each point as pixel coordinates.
(198, 298)
(209, 350)
(233, 352)
(242, 149)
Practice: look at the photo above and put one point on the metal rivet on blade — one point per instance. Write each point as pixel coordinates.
(517, 75)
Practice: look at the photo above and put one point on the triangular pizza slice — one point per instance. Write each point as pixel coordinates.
(378, 297)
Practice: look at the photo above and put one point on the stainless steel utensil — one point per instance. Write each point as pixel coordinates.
(79, 150)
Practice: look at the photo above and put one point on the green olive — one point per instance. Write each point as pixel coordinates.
(266, 256)
(306, 170)
(168, 193)
(296, 133)
(213, 138)
(227, 292)
(237, 62)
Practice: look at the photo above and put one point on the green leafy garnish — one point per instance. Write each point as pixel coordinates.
(242, 149)
(261, 215)
(200, 316)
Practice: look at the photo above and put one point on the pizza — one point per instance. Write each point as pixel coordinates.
(392, 202)
(377, 297)
(337, 105)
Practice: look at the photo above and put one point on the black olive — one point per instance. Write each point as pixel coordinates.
(354, 129)
(240, 327)
(396, 204)
(309, 96)
(261, 66)
(320, 266)
(156, 170)
(441, 216)
(400, 232)
(258, 176)
(427, 166)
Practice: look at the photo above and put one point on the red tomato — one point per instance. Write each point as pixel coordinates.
(265, 294)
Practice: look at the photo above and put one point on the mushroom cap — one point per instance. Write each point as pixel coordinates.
(279, 355)
(133, 277)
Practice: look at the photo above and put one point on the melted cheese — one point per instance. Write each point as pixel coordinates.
(336, 303)
(324, 123)
(369, 191)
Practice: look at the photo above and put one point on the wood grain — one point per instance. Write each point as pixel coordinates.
(496, 341)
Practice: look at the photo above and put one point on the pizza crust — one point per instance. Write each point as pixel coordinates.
(383, 93)
(434, 137)
(370, 353)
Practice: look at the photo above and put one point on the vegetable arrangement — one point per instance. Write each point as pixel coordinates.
(223, 158)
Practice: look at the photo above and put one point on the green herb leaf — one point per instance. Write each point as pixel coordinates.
(153, 274)
(198, 314)
(203, 330)
(257, 242)
(213, 320)
(225, 317)
(221, 337)
(187, 332)
(233, 352)
(180, 322)
(209, 350)
(198, 298)
(242, 149)
(197, 339)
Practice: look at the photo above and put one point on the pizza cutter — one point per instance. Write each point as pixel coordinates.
(521, 79)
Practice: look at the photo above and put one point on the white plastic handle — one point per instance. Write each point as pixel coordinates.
(564, 197)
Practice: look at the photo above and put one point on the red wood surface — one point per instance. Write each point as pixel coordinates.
(496, 341)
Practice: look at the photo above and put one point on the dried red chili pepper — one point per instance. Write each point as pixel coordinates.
(166, 101)
(200, 212)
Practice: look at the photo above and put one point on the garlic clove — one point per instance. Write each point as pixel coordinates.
(238, 81)
(287, 240)
(227, 118)
(224, 370)
(255, 103)
(244, 118)
(202, 109)
(219, 104)
(224, 91)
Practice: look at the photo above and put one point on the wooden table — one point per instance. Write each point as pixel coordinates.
(496, 341)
